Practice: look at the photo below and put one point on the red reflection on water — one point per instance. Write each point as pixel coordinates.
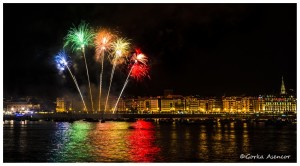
(142, 142)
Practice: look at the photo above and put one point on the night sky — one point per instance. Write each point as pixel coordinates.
(194, 49)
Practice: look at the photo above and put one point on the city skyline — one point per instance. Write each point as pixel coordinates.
(204, 49)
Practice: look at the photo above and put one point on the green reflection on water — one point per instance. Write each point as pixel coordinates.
(74, 145)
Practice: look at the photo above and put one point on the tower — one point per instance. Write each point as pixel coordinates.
(282, 91)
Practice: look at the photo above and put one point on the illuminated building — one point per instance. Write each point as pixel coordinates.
(274, 104)
(22, 105)
(167, 105)
(60, 105)
(140, 105)
(214, 105)
(260, 105)
(179, 103)
(247, 104)
(63, 105)
(203, 105)
(192, 104)
(229, 104)
(279, 104)
(152, 105)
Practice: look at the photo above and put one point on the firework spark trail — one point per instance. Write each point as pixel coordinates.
(125, 84)
(100, 85)
(78, 38)
(120, 49)
(138, 70)
(102, 42)
(87, 73)
(62, 62)
(75, 81)
(111, 78)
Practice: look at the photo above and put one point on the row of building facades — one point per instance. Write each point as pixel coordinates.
(179, 104)
(190, 104)
(174, 104)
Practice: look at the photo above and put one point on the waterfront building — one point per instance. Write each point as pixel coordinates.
(167, 105)
(60, 105)
(203, 105)
(141, 105)
(279, 104)
(215, 105)
(21, 105)
(192, 104)
(235, 104)
(248, 105)
(152, 105)
(64, 105)
(229, 104)
(179, 103)
(274, 104)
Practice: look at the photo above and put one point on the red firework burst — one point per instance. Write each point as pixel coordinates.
(139, 71)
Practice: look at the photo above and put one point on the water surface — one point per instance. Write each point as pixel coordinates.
(42, 141)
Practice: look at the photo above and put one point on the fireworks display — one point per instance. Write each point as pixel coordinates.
(78, 38)
(120, 49)
(103, 42)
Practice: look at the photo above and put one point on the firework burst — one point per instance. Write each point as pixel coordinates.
(79, 37)
(139, 57)
(120, 50)
(103, 42)
(61, 60)
(139, 71)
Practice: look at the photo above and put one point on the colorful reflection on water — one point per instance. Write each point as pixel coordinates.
(142, 146)
(72, 136)
(142, 141)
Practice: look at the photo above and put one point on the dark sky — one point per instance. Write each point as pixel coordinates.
(204, 49)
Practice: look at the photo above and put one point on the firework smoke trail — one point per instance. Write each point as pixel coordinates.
(61, 61)
(120, 48)
(103, 43)
(78, 38)
(139, 68)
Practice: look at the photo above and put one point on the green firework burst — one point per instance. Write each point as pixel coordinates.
(79, 37)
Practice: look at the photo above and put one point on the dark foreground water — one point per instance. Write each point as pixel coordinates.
(142, 141)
